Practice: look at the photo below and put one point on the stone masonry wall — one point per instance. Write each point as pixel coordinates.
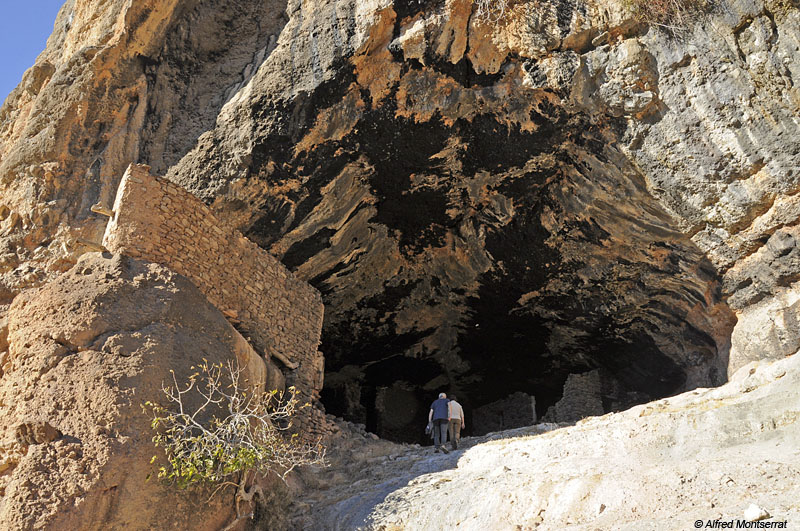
(281, 315)
(514, 411)
(582, 398)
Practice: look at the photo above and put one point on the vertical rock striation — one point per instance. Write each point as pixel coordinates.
(118, 82)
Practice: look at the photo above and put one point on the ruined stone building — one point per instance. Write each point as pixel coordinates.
(280, 315)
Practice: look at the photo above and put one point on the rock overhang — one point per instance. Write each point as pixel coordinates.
(473, 226)
(702, 123)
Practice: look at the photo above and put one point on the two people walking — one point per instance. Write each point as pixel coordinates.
(446, 416)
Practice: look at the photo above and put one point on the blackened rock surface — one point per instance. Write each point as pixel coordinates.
(470, 230)
(556, 177)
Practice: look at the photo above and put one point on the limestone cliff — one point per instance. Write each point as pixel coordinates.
(118, 82)
(487, 207)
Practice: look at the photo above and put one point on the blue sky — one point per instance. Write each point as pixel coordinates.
(24, 28)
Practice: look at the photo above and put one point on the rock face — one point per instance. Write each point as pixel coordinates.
(86, 351)
(118, 82)
(704, 455)
(459, 192)
(487, 207)
(720, 153)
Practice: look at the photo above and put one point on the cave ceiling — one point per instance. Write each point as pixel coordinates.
(468, 232)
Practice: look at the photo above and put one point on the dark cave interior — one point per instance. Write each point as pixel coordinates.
(485, 257)
(391, 397)
(608, 286)
(595, 291)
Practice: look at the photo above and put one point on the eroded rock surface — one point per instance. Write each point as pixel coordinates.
(488, 207)
(459, 192)
(119, 82)
(560, 202)
(86, 351)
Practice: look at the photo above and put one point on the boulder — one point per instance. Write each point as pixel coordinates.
(85, 352)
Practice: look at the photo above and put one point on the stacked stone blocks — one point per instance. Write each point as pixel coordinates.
(157, 220)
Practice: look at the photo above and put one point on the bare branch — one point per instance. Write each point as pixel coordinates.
(491, 10)
(231, 431)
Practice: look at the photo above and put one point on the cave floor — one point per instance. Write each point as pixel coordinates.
(707, 455)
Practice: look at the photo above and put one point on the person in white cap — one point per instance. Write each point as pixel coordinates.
(439, 417)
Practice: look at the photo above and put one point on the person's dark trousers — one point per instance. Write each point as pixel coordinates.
(454, 430)
(439, 432)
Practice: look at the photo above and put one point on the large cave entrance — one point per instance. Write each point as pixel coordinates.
(511, 369)
(543, 285)
(474, 236)
(566, 358)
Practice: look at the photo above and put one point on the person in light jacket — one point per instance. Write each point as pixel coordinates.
(456, 424)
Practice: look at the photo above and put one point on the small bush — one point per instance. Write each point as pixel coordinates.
(491, 10)
(244, 432)
(676, 15)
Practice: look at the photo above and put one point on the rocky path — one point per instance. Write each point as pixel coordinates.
(704, 455)
(364, 474)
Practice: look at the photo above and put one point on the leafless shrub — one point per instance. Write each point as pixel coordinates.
(491, 10)
(247, 433)
(672, 15)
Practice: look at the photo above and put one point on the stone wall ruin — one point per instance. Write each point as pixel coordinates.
(514, 411)
(156, 220)
(590, 394)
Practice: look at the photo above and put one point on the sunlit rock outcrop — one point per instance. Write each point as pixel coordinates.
(487, 206)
